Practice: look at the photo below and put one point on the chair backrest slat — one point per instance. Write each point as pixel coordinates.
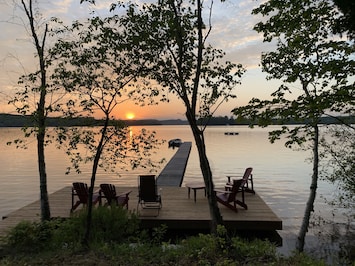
(109, 192)
(81, 189)
(247, 173)
(235, 188)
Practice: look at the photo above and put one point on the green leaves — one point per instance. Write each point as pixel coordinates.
(308, 55)
(122, 149)
(181, 60)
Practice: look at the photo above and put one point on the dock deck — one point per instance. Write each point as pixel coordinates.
(178, 211)
(173, 173)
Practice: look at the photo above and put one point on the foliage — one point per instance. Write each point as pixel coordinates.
(158, 234)
(36, 96)
(174, 37)
(122, 147)
(338, 166)
(98, 64)
(172, 32)
(111, 225)
(196, 250)
(308, 55)
(37, 86)
(27, 236)
(249, 250)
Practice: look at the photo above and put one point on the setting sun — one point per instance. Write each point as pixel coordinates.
(130, 115)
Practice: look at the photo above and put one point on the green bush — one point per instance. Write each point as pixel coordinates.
(112, 224)
(29, 236)
(256, 250)
(116, 240)
(205, 249)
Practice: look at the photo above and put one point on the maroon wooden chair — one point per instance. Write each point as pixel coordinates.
(108, 192)
(81, 191)
(248, 185)
(229, 199)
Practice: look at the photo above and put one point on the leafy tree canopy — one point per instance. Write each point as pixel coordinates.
(307, 54)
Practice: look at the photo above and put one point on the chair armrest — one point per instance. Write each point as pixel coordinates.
(229, 177)
(228, 187)
(125, 194)
(223, 191)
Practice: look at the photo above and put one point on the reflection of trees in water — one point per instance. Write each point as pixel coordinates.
(335, 241)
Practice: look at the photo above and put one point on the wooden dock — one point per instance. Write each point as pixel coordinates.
(173, 173)
(178, 211)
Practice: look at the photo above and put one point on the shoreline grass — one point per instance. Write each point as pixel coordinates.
(116, 239)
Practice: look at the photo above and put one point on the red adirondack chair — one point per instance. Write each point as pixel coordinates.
(228, 197)
(248, 185)
(82, 192)
(108, 192)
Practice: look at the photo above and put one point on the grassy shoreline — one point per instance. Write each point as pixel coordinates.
(116, 239)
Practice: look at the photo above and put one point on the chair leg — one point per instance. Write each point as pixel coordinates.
(241, 204)
(75, 206)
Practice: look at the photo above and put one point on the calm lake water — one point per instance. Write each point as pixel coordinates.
(281, 176)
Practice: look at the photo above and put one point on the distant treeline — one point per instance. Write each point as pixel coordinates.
(240, 121)
(324, 120)
(9, 120)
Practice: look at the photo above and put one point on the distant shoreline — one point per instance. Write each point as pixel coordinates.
(10, 120)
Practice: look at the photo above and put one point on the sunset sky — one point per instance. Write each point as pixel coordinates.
(232, 31)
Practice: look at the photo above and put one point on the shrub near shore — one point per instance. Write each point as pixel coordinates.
(117, 240)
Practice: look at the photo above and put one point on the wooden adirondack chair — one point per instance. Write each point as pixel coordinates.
(228, 197)
(108, 192)
(82, 192)
(247, 177)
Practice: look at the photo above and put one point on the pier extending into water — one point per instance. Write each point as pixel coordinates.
(173, 173)
(179, 211)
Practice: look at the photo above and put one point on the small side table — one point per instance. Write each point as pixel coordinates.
(195, 186)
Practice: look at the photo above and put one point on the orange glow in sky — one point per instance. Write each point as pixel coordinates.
(130, 115)
(241, 46)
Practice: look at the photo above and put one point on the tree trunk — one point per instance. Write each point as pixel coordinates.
(45, 209)
(312, 196)
(40, 112)
(92, 182)
(216, 218)
(191, 107)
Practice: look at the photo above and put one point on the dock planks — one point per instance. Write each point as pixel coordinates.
(173, 173)
(178, 211)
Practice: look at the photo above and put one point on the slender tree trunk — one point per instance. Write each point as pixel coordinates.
(45, 209)
(92, 182)
(40, 112)
(216, 218)
(215, 214)
(312, 196)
